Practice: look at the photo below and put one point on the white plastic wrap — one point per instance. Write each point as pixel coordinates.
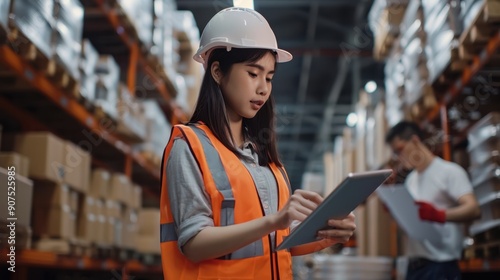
(490, 207)
(379, 7)
(185, 23)
(68, 34)
(4, 13)
(412, 23)
(88, 86)
(89, 57)
(182, 92)
(158, 128)
(469, 11)
(486, 182)
(487, 127)
(35, 20)
(140, 13)
(394, 83)
(484, 139)
(442, 26)
(108, 71)
(162, 45)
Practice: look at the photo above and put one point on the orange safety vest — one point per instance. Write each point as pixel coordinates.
(227, 183)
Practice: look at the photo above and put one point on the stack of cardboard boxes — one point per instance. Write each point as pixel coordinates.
(72, 203)
(17, 191)
(60, 171)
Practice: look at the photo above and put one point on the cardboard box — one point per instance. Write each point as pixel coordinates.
(136, 198)
(361, 232)
(382, 152)
(20, 162)
(360, 164)
(23, 195)
(47, 194)
(149, 221)
(329, 163)
(46, 154)
(112, 208)
(120, 188)
(74, 200)
(99, 222)
(113, 231)
(77, 165)
(99, 184)
(57, 221)
(130, 228)
(379, 228)
(87, 220)
(348, 162)
(147, 244)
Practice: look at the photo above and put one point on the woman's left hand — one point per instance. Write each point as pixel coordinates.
(340, 230)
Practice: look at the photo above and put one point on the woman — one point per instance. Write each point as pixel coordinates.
(226, 201)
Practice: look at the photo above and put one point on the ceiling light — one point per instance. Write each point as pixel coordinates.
(243, 3)
(352, 120)
(371, 86)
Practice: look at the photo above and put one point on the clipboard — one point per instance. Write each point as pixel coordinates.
(404, 210)
(351, 192)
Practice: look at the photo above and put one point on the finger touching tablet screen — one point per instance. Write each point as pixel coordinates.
(351, 192)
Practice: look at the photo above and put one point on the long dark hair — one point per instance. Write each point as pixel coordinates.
(211, 109)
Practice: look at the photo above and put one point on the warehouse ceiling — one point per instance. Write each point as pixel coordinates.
(332, 48)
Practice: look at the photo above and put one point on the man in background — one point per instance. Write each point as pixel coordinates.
(444, 194)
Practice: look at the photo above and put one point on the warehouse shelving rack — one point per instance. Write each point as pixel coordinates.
(30, 101)
(33, 258)
(440, 111)
(439, 114)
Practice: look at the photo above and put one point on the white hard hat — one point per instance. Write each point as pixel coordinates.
(238, 28)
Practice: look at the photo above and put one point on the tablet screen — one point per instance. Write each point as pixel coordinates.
(351, 192)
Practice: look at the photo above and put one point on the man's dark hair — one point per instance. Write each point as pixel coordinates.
(404, 130)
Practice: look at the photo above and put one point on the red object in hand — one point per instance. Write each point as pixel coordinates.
(428, 212)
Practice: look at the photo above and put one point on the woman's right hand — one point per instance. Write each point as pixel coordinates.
(298, 207)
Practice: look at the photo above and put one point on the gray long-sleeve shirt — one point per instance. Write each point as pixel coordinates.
(190, 204)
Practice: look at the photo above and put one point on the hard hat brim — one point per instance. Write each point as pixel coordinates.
(201, 54)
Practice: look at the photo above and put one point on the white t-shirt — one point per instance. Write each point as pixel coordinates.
(442, 183)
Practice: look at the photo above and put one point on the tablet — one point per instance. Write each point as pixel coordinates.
(351, 192)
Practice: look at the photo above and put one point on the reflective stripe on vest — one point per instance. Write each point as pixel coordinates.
(286, 179)
(227, 208)
(167, 232)
(220, 178)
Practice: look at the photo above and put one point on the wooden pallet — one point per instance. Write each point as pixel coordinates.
(70, 247)
(488, 236)
(22, 239)
(151, 157)
(103, 118)
(61, 77)
(488, 251)
(149, 258)
(124, 254)
(100, 251)
(87, 104)
(21, 45)
(51, 67)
